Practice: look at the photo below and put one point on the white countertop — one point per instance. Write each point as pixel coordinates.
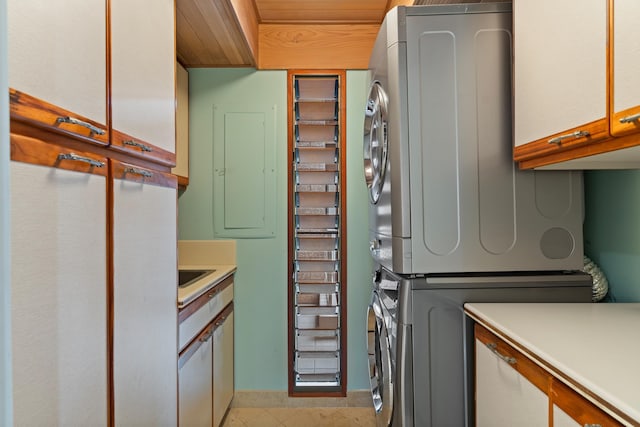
(596, 346)
(218, 255)
(202, 285)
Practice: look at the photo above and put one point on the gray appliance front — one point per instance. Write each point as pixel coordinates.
(446, 195)
(434, 374)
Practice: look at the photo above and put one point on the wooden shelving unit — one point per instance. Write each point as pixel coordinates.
(317, 333)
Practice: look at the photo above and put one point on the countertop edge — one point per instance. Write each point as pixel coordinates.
(223, 271)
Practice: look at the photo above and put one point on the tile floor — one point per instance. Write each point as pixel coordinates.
(300, 417)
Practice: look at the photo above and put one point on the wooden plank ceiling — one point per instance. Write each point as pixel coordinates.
(278, 34)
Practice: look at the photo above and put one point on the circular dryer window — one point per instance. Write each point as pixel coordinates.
(375, 140)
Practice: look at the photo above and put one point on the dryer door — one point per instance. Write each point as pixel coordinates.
(380, 371)
(375, 140)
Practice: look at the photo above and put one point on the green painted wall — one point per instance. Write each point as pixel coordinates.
(612, 229)
(359, 260)
(261, 282)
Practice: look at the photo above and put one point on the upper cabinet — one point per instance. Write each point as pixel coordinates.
(101, 71)
(574, 63)
(57, 55)
(143, 72)
(625, 64)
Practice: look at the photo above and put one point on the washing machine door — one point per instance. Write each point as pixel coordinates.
(380, 370)
(375, 145)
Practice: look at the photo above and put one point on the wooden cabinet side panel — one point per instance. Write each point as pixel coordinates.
(57, 53)
(143, 71)
(559, 69)
(59, 296)
(144, 303)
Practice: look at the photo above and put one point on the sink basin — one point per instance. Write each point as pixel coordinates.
(187, 277)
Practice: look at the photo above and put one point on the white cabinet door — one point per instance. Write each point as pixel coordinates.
(625, 66)
(143, 62)
(559, 66)
(562, 419)
(222, 367)
(504, 398)
(196, 383)
(58, 295)
(57, 53)
(144, 297)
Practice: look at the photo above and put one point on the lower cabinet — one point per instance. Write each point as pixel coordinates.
(504, 395)
(195, 373)
(58, 285)
(222, 365)
(144, 296)
(512, 390)
(205, 363)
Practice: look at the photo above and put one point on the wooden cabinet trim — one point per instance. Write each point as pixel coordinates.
(577, 407)
(128, 172)
(34, 151)
(523, 364)
(622, 129)
(222, 316)
(183, 182)
(203, 299)
(138, 148)
(605, 146)
(204, 335)
(38, 113)
(63, 139)
(598, 130)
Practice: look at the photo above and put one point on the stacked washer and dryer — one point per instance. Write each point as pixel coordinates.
(452, 219)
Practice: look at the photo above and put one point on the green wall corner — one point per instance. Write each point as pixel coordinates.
(261, 280)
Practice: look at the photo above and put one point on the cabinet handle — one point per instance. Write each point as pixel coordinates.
(628, 119)
(592, 425)
(206, 338)
(137, 171)
(577, 134)
(75, 157)
(221, 321)
(140, 145)
(73, 121)
(212, 293)
(494, 348)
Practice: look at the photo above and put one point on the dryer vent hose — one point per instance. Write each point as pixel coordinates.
(600, 282)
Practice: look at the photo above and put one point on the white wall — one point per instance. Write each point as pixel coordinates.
(5, 264)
